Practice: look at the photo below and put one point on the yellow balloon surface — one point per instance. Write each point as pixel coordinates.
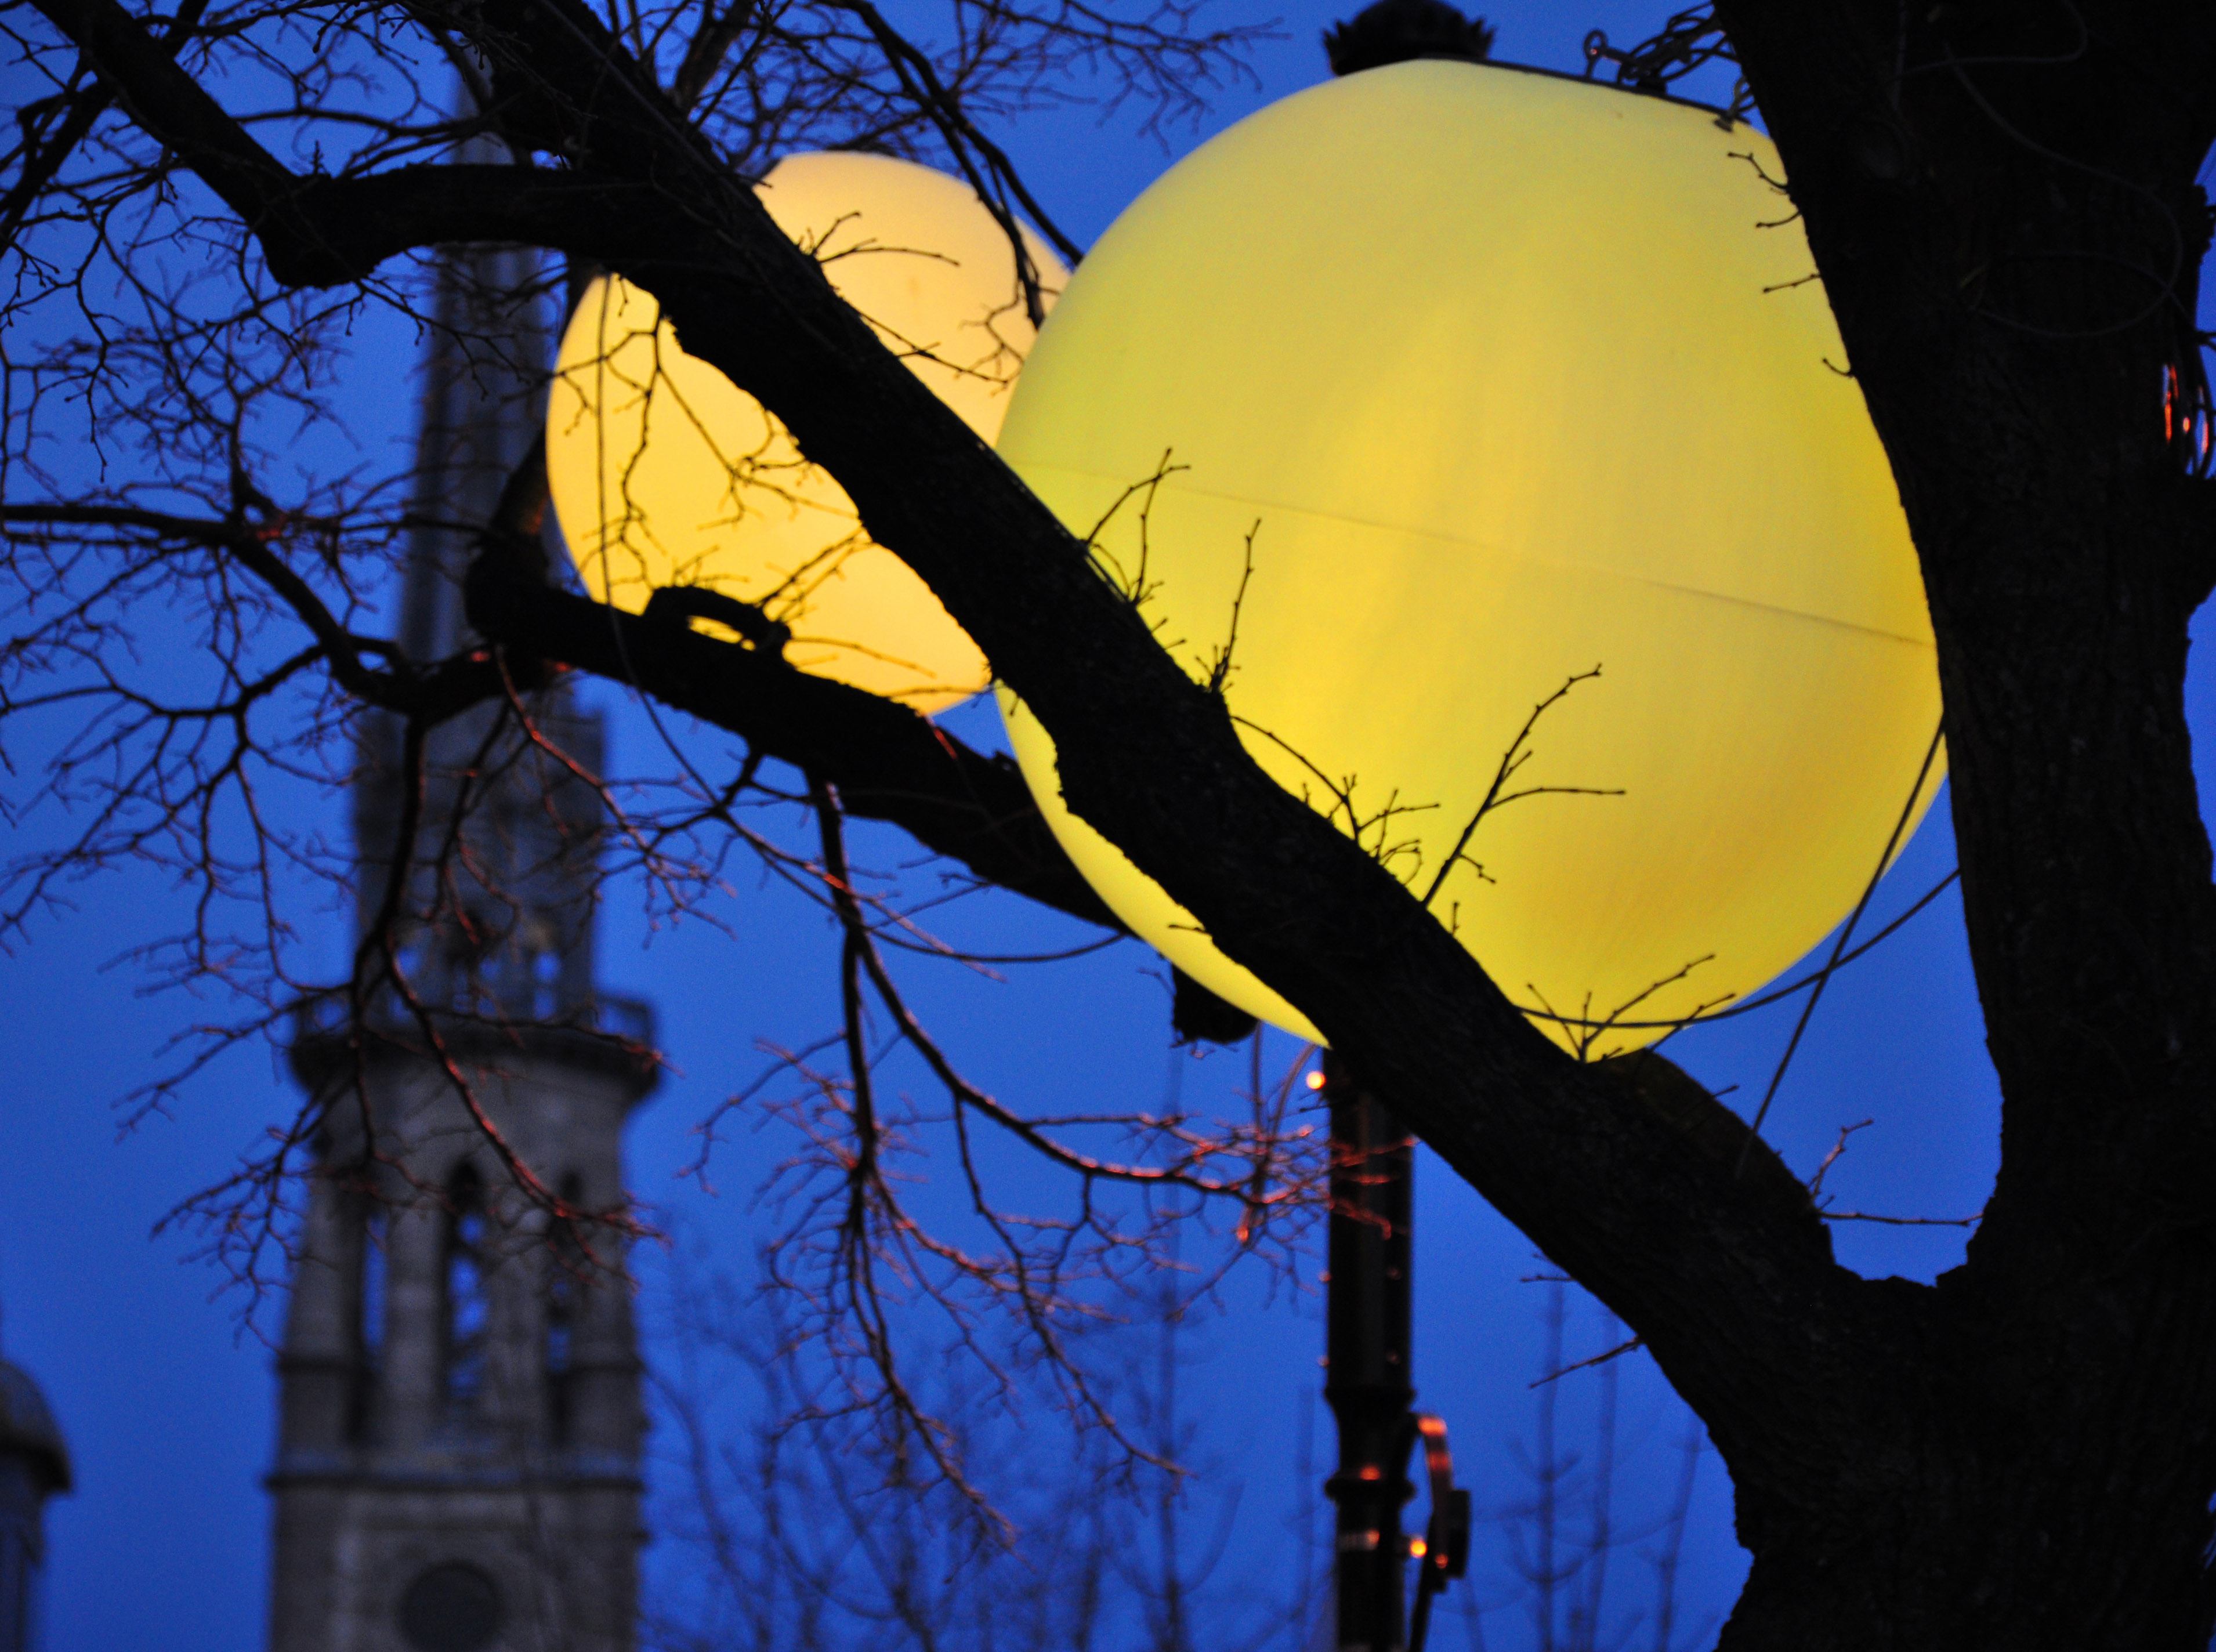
(1508, 381)
(665, 473)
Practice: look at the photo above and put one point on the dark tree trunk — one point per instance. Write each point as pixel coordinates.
(2020, 1482)
(2002, 203)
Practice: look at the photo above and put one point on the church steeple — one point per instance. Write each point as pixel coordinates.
(515, 910)
(457, 1468)
(483, 386)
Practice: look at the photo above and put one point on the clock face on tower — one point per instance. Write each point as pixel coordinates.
(450, 1607)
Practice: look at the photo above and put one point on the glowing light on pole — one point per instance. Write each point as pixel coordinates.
(1519, 376)
(665, 473)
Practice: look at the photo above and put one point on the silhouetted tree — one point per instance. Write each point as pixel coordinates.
(2003, 204)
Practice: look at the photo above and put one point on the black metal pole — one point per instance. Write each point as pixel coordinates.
(1366, 1379)
(1366, 1347)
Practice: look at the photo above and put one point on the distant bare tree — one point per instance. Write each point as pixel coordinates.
(816, 1525)
(1565, 1540)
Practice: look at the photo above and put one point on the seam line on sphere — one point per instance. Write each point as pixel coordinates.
(1266, 506)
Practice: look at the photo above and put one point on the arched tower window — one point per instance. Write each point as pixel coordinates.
(565, 1292)
(369, 1298)
(545, 984)
(465, 1299)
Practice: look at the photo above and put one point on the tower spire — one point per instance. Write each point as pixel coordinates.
(499, 918)
(458, 1466)
(483, 394)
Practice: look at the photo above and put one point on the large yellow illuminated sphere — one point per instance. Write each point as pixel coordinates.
(663, 472)
(1518, 377)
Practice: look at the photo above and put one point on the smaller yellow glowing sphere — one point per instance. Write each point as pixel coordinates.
(665, 473)
(1478, 379)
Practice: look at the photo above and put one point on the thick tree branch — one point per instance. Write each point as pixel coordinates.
(888, 763)
(82, 108)
(320, 231)
(170, 106)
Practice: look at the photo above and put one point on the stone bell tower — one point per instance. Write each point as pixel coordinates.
(458, 1461)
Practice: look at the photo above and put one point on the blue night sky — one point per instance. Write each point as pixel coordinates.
(165, 1390)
